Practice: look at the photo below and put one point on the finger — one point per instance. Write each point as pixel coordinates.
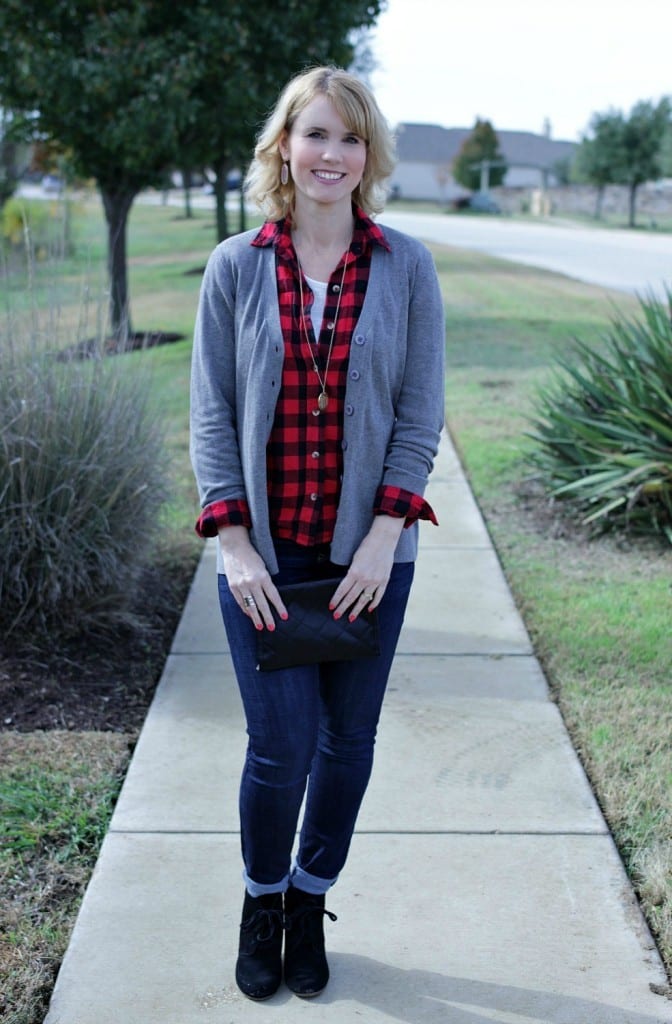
(259, 604)
(356, 598)
(345, 595)
(249, 606)
(363, 602)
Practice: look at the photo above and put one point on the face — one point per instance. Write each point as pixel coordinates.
(326, 159)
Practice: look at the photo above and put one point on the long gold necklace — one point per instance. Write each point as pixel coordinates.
(323, 397)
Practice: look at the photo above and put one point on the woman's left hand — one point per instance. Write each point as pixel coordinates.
(365, 582)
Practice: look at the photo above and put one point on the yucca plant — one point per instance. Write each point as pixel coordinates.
(603, 426)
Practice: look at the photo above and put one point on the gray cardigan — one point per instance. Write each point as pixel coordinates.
(394, 402)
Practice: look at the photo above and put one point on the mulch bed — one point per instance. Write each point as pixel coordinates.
(93, 347)
(100, 683)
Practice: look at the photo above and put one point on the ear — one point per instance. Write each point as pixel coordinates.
(283, 145)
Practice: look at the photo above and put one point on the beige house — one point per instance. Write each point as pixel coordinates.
(426, 152)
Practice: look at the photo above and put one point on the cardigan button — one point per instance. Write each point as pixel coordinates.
(360, 339)
(349, 409)
(354, 375)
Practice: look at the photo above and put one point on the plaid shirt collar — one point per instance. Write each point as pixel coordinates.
(366, 234)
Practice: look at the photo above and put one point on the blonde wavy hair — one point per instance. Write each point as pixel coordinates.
(361, 115)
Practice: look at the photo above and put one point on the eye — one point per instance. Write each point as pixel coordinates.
(353, 140)
(315, 134)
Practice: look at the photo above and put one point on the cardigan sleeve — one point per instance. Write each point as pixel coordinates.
(420, 403)
(214, 443)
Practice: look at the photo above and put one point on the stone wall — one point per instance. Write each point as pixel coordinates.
(653, 200)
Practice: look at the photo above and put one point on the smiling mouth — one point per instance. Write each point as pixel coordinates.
(329, 175)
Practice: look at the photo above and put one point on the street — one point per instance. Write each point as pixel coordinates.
(629, 261)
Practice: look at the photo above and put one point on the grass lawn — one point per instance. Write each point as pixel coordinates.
(598, 610)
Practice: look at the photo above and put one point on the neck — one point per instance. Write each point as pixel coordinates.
(322, 230)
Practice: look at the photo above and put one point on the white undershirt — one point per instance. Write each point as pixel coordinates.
(319, 290)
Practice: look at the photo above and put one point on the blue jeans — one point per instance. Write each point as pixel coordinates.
(314, 726)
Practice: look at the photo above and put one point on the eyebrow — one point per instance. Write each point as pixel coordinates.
(321, 128)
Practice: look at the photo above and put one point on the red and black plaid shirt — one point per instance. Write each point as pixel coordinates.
(304, 456)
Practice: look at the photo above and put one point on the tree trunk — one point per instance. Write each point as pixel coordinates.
(186, 182)
(632, 205)
(243, 211)
(221, 171)
(117, 206)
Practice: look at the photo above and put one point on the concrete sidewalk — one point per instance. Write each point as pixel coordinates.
(482, 883)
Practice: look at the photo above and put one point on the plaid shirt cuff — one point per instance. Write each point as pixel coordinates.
(393, 501)
(223, 513)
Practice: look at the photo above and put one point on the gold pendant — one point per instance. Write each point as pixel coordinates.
(323, 401)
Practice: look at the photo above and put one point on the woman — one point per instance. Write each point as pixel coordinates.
(317, 404)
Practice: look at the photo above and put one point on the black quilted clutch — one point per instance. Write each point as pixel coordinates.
(311, 634)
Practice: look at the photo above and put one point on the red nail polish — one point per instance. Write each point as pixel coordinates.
(284, 617)
(259, 626)
(331, 606)
(351, 618)
(271, 628)
(337, 615)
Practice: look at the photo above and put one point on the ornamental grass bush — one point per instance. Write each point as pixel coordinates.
(81, 466)
(603, 426)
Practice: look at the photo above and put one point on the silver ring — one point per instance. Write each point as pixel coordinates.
(368, 597)
(249, 602)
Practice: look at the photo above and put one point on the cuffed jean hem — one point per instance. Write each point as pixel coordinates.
(256, 889)
(300, 879)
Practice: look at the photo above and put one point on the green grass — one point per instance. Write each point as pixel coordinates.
(598, 610)
(57, 791)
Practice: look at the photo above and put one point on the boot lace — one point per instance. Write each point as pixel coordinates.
(263, 923)
(303, 921)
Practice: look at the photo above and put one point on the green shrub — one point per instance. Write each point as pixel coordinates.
(603, 426)
(81, 479)
(44, 224)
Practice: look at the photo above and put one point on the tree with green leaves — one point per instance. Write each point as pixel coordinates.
(133, 88)
(112, 84)
(665, 155)
(480, 162)
(625, 150)
(599, 157)
(643, 135)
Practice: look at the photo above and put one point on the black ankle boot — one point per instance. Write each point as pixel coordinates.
(259, 964)
(306, 967)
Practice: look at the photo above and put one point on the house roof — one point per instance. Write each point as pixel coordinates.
(433, 144)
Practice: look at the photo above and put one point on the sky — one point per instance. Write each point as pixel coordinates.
(519, 62)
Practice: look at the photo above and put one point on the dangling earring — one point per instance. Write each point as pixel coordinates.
(284, 173)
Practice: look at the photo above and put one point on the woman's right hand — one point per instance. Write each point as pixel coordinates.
(249, 578)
